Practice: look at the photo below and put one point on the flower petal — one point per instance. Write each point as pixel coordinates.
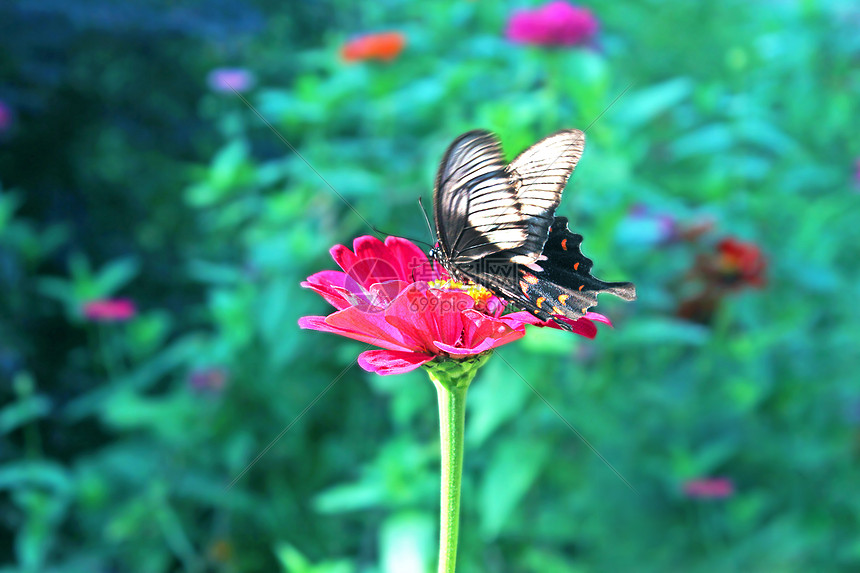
(369, 327)
(330, 286)
(582, 326)
(351, 326)
(385, 362)
(411, 261)
(481, 333)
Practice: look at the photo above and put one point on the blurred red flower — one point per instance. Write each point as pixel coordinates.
(709, 488)
(391, 296)
(555, 24)
(383, 46)
(110, 310)
(730, 267)
(741, 262)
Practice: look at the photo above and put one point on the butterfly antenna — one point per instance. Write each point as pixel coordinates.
(426, 218)
(381, 232)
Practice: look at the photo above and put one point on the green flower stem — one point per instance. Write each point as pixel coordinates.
(452, 379)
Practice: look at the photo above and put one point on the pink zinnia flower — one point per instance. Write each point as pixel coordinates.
(555, 24)
(225, 80)
(110, 310)
(709, 488)
(391, 296)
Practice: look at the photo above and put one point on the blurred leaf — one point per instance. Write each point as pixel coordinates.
(512, 470)
(407, 543)
(148, 332)
(23, 411)
(495, 397)
(226, 164)
(115, 275)
(644, 105)
(36, 473)
(549, 341)
(350, 497)
(145, 375)
(43, 514)
(706, 140)
(655, 331)
(214, 273)
(294, 562)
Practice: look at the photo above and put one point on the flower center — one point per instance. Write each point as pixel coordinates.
(478, 293)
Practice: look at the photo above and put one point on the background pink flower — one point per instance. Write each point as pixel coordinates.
(555, 24)
(709, 488)
(110, 310)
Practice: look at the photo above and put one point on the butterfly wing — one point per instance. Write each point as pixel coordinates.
(564, 287)
(539, 175)
(483, 206)
(475, 207)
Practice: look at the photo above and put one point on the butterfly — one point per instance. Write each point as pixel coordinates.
(496, 225)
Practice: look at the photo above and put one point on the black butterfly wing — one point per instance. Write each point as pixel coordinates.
(475, 207)
(564, 287)
(539, 175)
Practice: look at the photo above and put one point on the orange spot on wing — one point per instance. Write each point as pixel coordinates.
(575, 266)
(564, 244)
(562, 298)
(557, 310)
(524, 286)
(540, 300)
(580, 287)
(531, 279)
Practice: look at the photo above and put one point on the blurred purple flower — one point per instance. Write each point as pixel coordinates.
(225, 80)
(6, 117)
(555, 24)
(210, 380)
(709, 488)
(110, 310)
(643, 225)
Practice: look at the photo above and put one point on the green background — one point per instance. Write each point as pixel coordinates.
(124, 175)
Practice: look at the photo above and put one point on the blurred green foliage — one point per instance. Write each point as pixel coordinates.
(189, 438)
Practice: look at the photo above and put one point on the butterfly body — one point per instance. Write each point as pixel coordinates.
(496, 225)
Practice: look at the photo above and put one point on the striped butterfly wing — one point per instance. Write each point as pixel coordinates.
(483, 206)
(539, 175)
(475, 207)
